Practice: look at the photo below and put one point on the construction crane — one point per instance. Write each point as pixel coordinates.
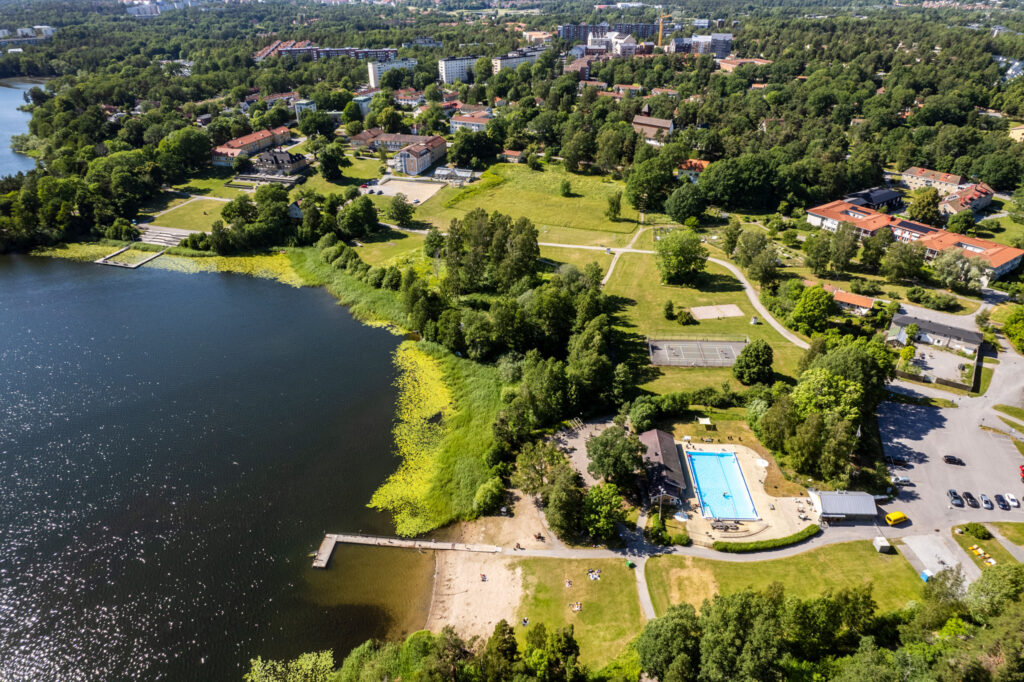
(661, 26)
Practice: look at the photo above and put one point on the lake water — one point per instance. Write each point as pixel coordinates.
(171, 449)
(13, 122)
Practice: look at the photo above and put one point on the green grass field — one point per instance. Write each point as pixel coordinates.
(635, 286)
(393, 245)
(1012, 531)
(610, 617)
(516, 190)
(195, 215)
(1002, 230)
(162, 202)
(676, 579)
(210, 183)
(579, 257)
(992, 547)
(359, 172)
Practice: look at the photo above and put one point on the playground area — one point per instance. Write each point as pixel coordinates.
(694, 352)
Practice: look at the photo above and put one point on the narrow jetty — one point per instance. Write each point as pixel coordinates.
(323, 555)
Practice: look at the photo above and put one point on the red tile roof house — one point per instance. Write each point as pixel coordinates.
(946, 183)
(420, 156)
(972, 197)
(600, 85)
(250, 144)
(476, 123)
(855, 303)
(512, 156)
(627, 89)
(692, 168)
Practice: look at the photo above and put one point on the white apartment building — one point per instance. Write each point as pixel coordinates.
(514, 59)
(455, 69)
(378, 69)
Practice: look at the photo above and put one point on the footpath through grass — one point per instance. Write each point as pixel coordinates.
(677, 579)
(1012, 531)
(991, 547)
(517, 191)
(610, 616)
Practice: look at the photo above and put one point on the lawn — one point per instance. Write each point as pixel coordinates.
(1012, 531)
(1002, 230)
(393, 245)
(195, 215)
(676, 579)
(162, 202)
(558, 256)
(636, 288)
(610, 617)
(358, 173)
(210, 183)
(993, 547)
(517, 191)
(1015, 412)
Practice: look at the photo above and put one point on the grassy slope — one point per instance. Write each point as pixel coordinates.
(641, 296)
(518, 191)
(611, 614)
(195, 215)
(674, 579)
(391, 247)
(579, 258)
(211, 183)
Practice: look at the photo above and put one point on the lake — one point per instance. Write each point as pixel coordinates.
(13, 122)
(172, 447)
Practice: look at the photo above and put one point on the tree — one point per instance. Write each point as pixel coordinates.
(602, 511)
(332, 160)
(316, 123)
(751, 242)
(680, 256)
(671, 642)
(819, 390)
(400, 210)
(754, 363)
(874, 248)
(997, 587)
(536, 463)
(924, 207)
(765, 266)
(648, 184)
(812, 309)
(565, 189)
(482, 70)
(731, 235)
(433, 244)
(949, 267)
(670, 310)
(500, 653)
(565, 503)
(818, 252)
(615, 455)
(903, 261)
(614, 207)
(844, 247)
(686, 201)
(962, 222)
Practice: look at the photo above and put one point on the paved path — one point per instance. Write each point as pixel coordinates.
(1015, 550)
(642, 593)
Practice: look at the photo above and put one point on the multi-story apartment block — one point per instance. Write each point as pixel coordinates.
(455, 69)
(378, 69)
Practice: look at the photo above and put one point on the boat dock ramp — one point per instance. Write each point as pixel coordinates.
(323, 555)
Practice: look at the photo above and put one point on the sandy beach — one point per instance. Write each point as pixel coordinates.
(471, 605)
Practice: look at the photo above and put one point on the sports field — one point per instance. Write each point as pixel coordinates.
(693, 353)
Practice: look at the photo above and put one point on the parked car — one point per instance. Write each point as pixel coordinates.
(1001, 502)
(900, 480)
(895, 518)
(415, 201)
(952, 459)
(954, 498)
(363, 186)
(970, 500)
(1012, 500)
(985, 502)
(898, 461)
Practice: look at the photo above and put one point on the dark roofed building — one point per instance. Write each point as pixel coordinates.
(279, 163)
(665, 478)
(844, 504)
(934, 333)
(875, 198)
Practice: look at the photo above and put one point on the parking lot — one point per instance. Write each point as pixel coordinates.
(923, 435)
(412, 189)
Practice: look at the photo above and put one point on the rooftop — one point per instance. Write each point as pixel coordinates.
(938, 329)
(992, 253)
(934, 176)
(846, 503)
(652, 122)
(662, 459)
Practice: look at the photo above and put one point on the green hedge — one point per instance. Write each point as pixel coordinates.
(758, 545)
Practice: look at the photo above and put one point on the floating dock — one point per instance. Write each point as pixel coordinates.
(131, 266)
(323, 555)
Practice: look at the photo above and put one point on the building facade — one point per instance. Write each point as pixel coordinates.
(515, 58)
(418, 157)
(970, 198)
(945, 183)
(279, 163)
(455, 69)
(377, 69)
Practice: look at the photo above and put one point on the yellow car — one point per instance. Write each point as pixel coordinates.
(895, 518)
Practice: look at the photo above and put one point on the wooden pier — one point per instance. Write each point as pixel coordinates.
(131, 266)
(323, 555)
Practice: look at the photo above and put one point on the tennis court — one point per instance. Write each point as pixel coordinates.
(694, 353)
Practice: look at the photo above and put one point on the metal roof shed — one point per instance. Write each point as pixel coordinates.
(843, 504)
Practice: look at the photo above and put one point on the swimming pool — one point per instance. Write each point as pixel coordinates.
(720, 486)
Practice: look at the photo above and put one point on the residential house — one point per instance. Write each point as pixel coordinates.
(279, 163)
(967, 340)
(511, 156)
(666, 478)
(854, 303)
(513, 59)
(945, 183)
(669, 92)
(692, 168)
(418, 157)
(875, 198)
(393, 142)
(579, 66)
(654, 130)
(475, 122)
(203, 120)
(972, 197)
(250, 144)
(625, 89)
(1000, 258)
(600, 85)
(409, 97)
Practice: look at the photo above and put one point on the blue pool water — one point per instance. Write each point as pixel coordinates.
(720, 486)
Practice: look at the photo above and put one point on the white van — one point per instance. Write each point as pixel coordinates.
(900, 480)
